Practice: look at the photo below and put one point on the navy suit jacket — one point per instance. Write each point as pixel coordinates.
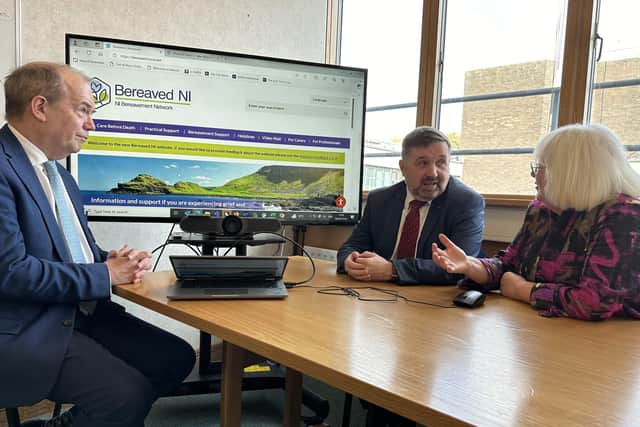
(40, 286)
(458, 213)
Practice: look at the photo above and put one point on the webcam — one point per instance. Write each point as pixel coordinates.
(228, 226)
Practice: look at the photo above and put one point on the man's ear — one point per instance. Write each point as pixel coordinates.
(401, 165)
(39, 105)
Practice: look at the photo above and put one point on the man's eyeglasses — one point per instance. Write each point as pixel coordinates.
(535, 168)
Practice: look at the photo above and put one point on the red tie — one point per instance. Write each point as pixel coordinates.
(409, 236)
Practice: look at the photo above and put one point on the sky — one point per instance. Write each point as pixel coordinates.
(385, 38)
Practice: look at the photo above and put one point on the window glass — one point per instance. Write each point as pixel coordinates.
(384, 37)
(616, 91)
(500, 85)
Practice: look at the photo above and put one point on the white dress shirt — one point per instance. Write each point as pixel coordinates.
(37, 159)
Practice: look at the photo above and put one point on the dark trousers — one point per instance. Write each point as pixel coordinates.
(116, 366)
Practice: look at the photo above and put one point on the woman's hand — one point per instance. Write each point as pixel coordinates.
(452, 258)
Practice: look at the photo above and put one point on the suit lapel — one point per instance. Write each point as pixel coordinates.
(392, 216)
(433, 216)
(18, 160)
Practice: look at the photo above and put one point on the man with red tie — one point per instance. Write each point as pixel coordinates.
(393, 239)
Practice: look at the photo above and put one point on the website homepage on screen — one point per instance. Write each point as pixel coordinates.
(182, 132)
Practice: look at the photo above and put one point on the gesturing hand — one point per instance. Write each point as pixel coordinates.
(451, 258)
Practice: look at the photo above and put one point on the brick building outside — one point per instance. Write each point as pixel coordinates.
(522, 121)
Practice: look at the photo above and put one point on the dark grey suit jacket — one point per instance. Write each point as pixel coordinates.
(458, 213)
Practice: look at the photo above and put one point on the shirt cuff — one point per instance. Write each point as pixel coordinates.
(394, 273)
(542, 296)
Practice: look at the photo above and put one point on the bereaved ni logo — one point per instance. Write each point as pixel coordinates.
(100, 92)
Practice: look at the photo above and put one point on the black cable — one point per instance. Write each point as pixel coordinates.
(233, 246)
(163, 246)
(189, 245)
(425, 302)
(237, 243)
(278, 251)
(304, 251)
(166, 243)
(353, 291)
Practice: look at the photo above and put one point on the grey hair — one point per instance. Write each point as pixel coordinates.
(585, 166)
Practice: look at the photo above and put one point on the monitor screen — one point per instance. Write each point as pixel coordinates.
(183, 131)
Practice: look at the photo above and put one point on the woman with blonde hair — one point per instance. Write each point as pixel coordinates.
(578, 251)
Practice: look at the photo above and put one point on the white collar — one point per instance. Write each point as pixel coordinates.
(36, 156)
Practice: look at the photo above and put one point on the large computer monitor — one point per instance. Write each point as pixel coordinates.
(183, 131)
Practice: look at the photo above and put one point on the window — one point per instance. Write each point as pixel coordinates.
(495, 75)
(500, 86)
(384, 37)
(380, 176)
(615, 91)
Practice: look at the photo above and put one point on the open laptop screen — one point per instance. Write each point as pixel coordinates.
(226, 267)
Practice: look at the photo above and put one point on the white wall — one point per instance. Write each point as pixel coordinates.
(287, 28)
(8, 43)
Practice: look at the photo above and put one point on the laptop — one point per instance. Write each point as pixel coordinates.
(227, 277)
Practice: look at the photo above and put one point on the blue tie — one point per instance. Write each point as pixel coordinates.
(65, 215)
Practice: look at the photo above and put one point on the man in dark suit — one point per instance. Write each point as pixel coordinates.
(61, 338)
(377, 249)
(450, 206)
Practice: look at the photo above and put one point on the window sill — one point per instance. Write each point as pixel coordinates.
(506, 200)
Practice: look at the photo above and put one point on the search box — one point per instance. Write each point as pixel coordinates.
(296, 109)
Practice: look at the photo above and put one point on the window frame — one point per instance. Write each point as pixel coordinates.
(574, 92)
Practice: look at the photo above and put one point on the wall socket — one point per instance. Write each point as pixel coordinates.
(321, 253)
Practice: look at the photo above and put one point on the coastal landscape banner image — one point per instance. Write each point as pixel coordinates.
(288, 186)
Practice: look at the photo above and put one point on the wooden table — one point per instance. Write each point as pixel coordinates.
(497, 365)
